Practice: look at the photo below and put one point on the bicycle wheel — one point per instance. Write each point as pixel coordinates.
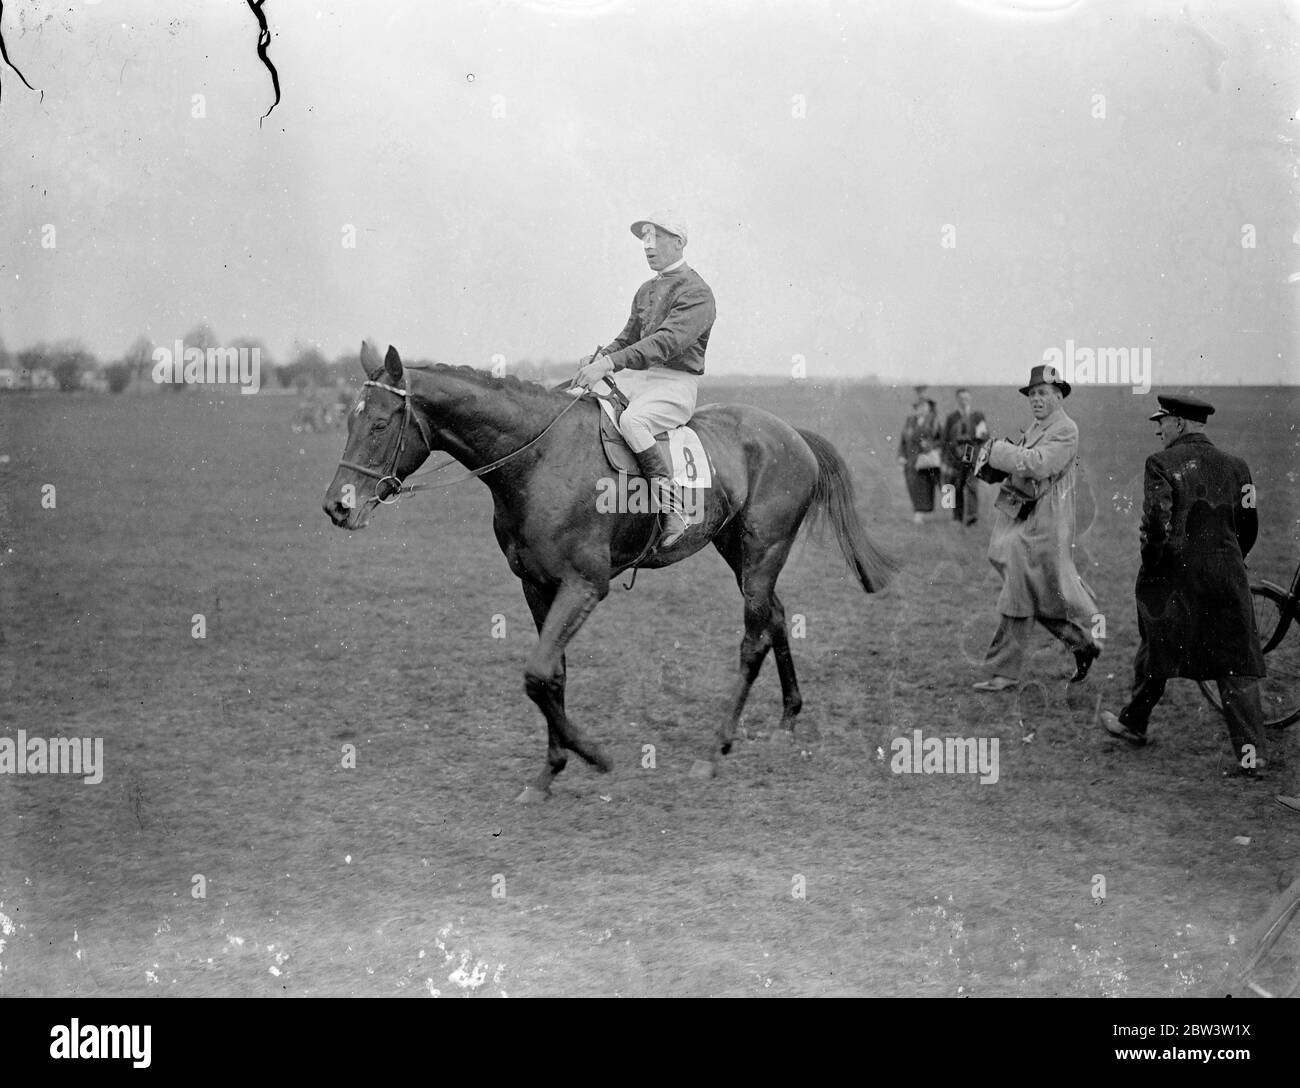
(1272, 964)
(1279, 691)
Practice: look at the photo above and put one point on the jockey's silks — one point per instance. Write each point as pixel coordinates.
(669, 324)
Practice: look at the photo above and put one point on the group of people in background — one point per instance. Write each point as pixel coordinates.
(1195, 616)
(935, 456)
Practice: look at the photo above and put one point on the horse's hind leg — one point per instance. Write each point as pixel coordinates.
(558, 615)
(791, 700)
(756, 565)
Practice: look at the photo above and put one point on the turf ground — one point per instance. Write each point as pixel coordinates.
(802, 869)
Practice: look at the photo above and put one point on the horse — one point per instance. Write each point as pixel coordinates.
(538, 452)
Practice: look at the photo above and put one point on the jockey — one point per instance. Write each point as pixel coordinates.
(664, 338)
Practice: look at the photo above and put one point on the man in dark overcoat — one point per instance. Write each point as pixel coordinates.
(1195, 616)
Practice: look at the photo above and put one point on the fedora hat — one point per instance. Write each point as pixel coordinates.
(1046, 374)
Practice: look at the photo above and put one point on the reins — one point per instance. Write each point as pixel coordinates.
(399, 486)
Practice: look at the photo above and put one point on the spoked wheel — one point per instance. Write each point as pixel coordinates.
(1279, 637)
(1272, 966)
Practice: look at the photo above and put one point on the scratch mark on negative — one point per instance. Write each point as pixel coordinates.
(4, 55)
(263, 41)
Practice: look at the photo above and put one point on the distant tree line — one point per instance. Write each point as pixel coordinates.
(67, 365)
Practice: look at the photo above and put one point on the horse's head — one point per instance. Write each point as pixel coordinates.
(387, 441)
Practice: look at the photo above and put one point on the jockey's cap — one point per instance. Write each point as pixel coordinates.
(668, 222)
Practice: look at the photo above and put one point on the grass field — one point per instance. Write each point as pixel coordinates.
(413, 873)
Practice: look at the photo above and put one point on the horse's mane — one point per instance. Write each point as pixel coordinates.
(486, 380)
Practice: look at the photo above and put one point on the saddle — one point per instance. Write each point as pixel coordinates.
(681, 447)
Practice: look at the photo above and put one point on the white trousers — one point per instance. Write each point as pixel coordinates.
(659, 400)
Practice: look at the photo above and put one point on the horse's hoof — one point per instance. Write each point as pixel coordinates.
(595, 756)
(702, 768)
(531, 795)
(725, 748)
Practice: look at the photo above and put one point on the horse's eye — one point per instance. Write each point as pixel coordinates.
(381, 424)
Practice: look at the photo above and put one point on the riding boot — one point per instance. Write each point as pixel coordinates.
(662, 487)
(674, 511)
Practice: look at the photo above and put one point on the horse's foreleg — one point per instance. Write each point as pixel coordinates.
(539, 603)
(544, 678)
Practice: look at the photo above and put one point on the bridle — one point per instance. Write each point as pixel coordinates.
(409, 414)
(398, 485)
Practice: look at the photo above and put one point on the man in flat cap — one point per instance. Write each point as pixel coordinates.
(665, 338)
(1033, 539)
(1195, 616)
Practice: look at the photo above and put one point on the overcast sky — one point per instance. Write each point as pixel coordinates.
(490, 156)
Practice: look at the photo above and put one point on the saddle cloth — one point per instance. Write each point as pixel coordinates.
(681, 446)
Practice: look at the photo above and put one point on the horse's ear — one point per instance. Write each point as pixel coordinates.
(393, 364)
(370, 361)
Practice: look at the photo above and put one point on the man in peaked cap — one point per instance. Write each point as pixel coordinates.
(1195, 615)
(665, 338)
(1033, 538)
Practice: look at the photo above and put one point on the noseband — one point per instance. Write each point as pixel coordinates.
(408, 414)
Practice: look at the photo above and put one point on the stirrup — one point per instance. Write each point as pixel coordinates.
(672, 513)
(672, 527)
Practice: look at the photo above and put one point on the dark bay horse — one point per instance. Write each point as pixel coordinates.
(767, 478)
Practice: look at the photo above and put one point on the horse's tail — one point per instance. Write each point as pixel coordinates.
(833, 501)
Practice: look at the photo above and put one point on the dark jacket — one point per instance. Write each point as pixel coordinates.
(1193, 595)
(959, 433)
(669, 324)
(918, 436)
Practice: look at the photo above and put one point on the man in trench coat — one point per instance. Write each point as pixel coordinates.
(1195, 616)
(1033, 539)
